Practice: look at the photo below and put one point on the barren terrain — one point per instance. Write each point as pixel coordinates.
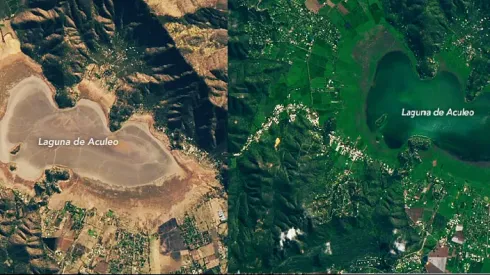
(137, 159)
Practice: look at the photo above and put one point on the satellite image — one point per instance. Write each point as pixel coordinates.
(113, 121)
(244, 136)
(358, 136)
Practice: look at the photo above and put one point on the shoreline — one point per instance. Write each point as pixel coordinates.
(365, 54)
(170, 163)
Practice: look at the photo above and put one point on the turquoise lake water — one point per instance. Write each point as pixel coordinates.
(397, 90)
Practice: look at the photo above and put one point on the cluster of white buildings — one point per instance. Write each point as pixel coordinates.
(292, 110)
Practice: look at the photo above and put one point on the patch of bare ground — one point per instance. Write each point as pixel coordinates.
(167, 264)
(206, 64)
(313, 5)
(14, 65)
(150, 121)
(141, 208)
(330, 3)
(9, 44)
(10, 180)
(13, 69)
(148, 206)
(179, 8)
(138, 158)
(206, 50)
(91, 90)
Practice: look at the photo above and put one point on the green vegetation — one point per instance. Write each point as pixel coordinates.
(193, 237)
(49, 185)
(195, 267)
(459, 27)
(419, 143)
(110, 214)
(78, 215)
(130, 252)
(92, 233)
(349, 195)
(308, 186)
(20, 241)
(123, 250)
(56, 174)
(64, 99)
(16, 149)
(266, 46)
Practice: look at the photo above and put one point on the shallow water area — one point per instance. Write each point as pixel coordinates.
(400, 105)
(78, 138)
